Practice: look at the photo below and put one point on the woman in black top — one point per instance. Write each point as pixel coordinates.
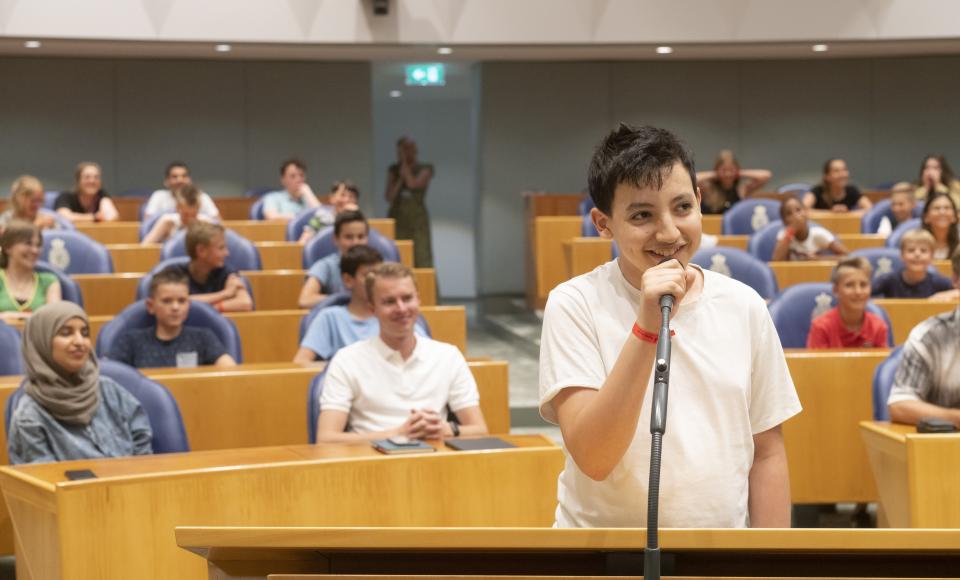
(835, 192)
(87, 202)
(727, 183)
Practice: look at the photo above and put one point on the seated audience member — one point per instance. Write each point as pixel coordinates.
(162, 200)
(902, 202)
(914, 280)
(798, 240)
(727, 183)
(68, 411)
(88, 202)
(936, 176)
(22, 289)
(835, 192)
(397, 383)
(26, 199)
(295, 196)
(350, 229)
(849, 324)
(188, 212)
(940, 219)
(927, 383)
(211, 280)
(169, 343)
(343, 197)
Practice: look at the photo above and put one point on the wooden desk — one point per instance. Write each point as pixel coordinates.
(791, 273)
(108, 294)
(555, 554)
(272, 336)
(121, 524)
(917, 475)
(838, 223)
(827, 460)
(905, 313)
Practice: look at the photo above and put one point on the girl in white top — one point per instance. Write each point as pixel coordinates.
(724, 460)
(798, 240)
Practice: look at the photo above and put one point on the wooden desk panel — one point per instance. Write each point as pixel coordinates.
(827, 459)
(548, 259)
(838, 223)
(917, 475)
(791, 273)
(112, 232)
(272, 336)
(905, 314)
(128, 207)
(107, 294)
(121, 524)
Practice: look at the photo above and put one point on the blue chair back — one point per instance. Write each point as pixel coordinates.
(870, 221)
(166, 423)
(342, 299)
(748, 216)
(11, 363)
(313, 404)
(883, 378)
(49, 198)
(300, 221)
(739, 265)
(321, 245)
(147, 225)
(69, 290)
(795, 189)
(256, 210)
(202, 315)
(143, 192)
(796, 307)
(259, 191)
(761, 243)
(883, 260)
(586, 205)
(75, 253)
(243, 254)
(62, 222)
(897, 234)
(587, 229)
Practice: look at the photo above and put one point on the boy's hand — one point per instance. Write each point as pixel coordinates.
(666, 278)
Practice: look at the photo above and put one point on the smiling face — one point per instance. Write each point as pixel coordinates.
(89, 180)
(396, 305)
(940, 214)
(901, 206)
(650, 225)
(351, 234)
(916, 256)
(177, 177)
(23, 254)
(932, 171)
(215, 253)
(71, 345)
(727, 174)
(343, 199)
(837, 175)
(852, 289)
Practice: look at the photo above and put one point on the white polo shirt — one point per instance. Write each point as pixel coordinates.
(378, 389)
(728, 381)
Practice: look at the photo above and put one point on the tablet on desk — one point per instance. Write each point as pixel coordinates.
(478, 444)
(391, 447)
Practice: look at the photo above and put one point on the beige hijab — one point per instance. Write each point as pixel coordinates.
(69, 398)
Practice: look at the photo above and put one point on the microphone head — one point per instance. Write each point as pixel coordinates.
(667, 301)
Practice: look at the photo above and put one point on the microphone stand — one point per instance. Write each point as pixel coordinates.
(658, 425)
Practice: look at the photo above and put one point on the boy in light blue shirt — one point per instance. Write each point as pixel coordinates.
(324, 276)
(295, 196)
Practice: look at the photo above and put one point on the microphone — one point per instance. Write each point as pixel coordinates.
(658, 426)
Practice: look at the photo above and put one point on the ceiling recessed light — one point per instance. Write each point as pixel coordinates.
(223, 48)
(395, 94)
(444, 50)
(33, 44)
(664, 49)
(820, 48)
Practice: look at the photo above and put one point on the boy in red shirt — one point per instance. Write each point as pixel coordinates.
(849, 325)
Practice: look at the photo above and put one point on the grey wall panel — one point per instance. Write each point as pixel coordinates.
(53, 114)
(189, 111)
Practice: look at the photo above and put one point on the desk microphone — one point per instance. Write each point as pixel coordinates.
(658, 425)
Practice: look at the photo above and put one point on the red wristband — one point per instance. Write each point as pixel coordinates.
(648, 336)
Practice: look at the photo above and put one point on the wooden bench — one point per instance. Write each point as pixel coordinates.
(128, 232)
(108, 294)
(790, 273)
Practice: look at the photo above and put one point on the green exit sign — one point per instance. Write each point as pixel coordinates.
(425, 75)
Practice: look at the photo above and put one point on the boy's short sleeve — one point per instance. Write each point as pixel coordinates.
(569, 349)
(211, 347)
(822, 237)
(773, 397)
(338, 393)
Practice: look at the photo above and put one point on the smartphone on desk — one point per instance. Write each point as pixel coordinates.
(78, 474)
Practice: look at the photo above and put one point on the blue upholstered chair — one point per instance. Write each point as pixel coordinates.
(147, 225)
(202, 315)
(69, 290)
(883, 382)
(883, 260)
(313, 404)
(49, 198)
(587, 229)
(748, 216)
(342, 299)
(243, 254)
(169, 434)
(795, 308)
(741, 266)
(259, 191)
(586, 205)
(894, 240)
(795, 189)
(75, 253)
(762, 243)
(62, 222)
(321, 245)
(870, 221)
(11, 362)
(256, 210)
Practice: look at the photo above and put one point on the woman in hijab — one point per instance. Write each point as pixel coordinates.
(68, 410)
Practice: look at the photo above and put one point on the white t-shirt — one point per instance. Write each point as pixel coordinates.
(162, 201)
(818, 240)
(373, 383)
(729, 381)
